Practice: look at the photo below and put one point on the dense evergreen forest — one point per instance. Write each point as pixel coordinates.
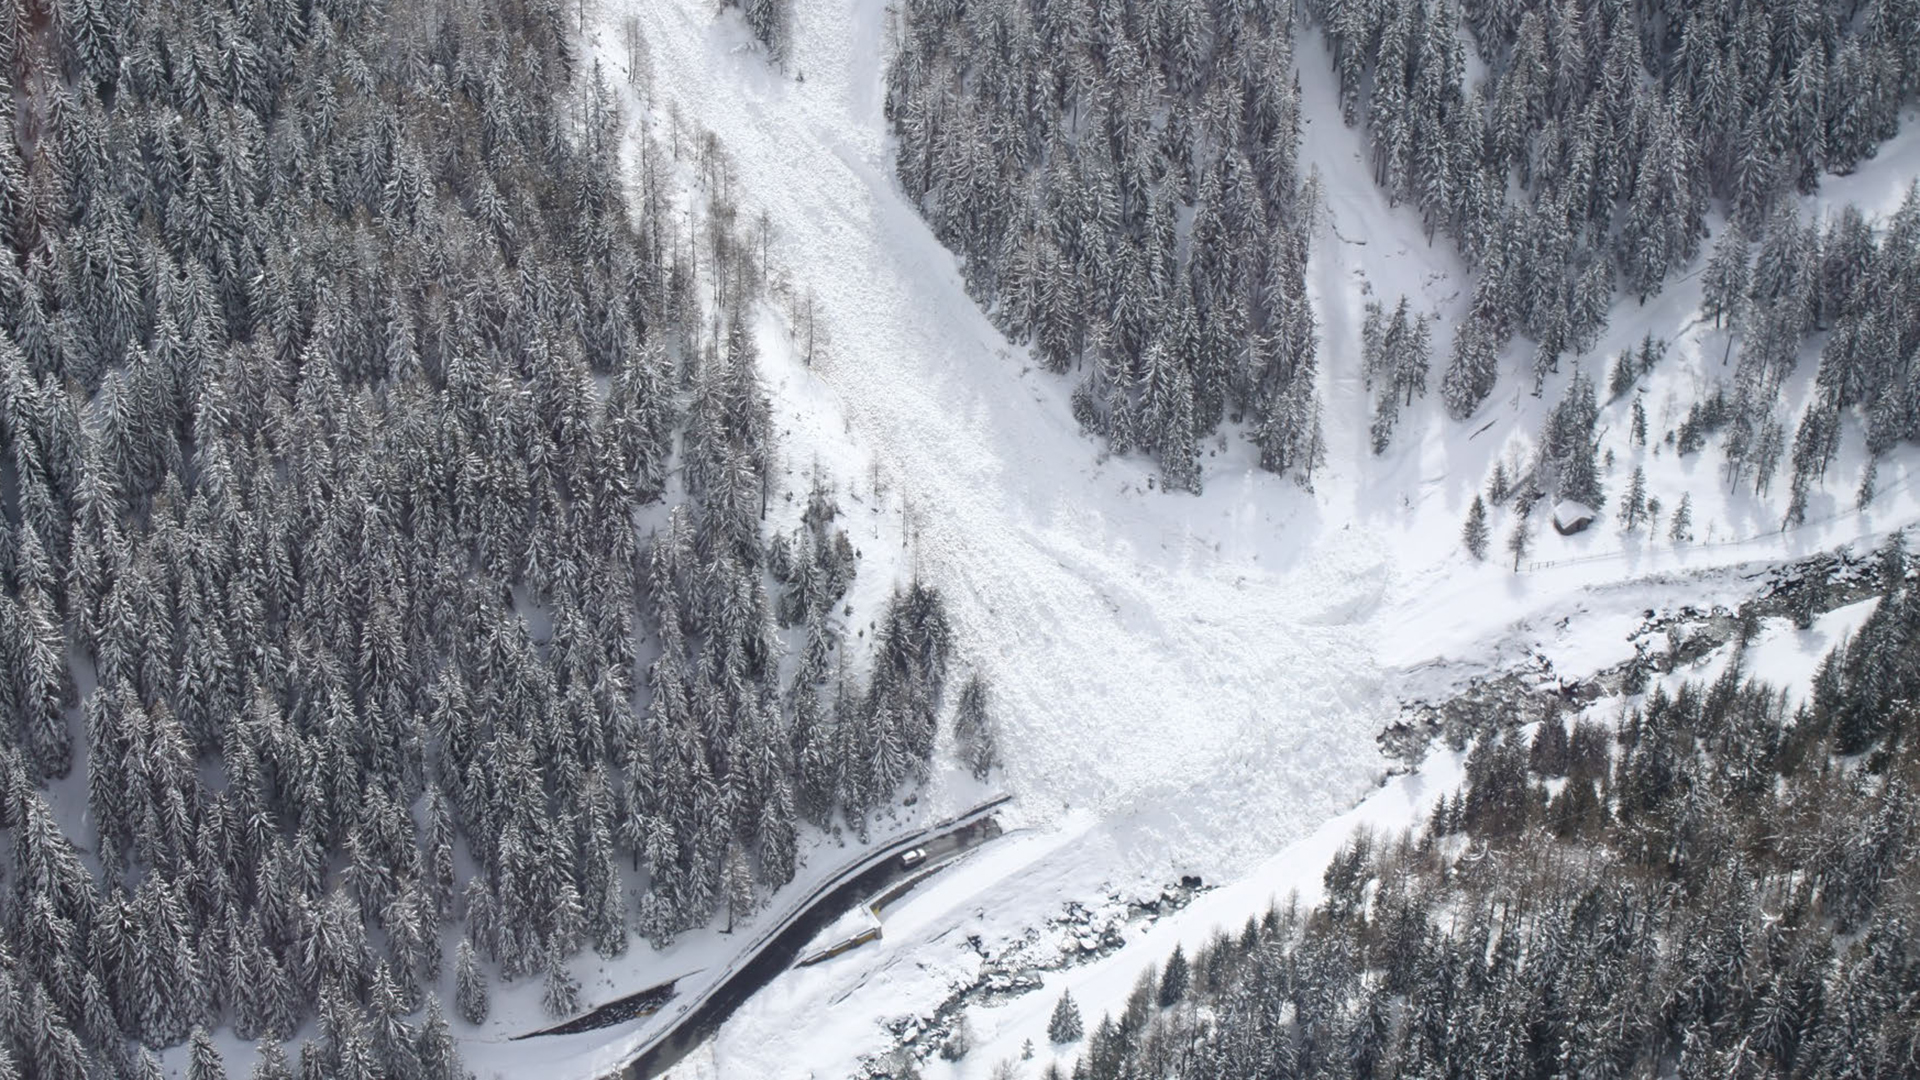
(1846, 285)
(1120, 179)
(1600, 133)
(1717, 885)
(1588, 155)
(388, 601)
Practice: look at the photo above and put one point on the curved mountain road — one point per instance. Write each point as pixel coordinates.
(775, 950)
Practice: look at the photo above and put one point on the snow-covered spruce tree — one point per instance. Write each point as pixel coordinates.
(560, 994)
(973, 728)
(1620, 382)
(471, 998)
(1565, 466)
(1723, 291)
(1474, 535)
(1473, 367)
(1065, 1025)
(1519, 541)
(270, 1063)
(1680, 529)
(1499, 484)
(1173, 979)
(1633, 508)
(771, 22)
(1395, 360)
(1869, 480)
(737, 882)
(203, 1059)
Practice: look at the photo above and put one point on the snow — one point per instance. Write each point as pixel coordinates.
(1185, 684)
(1153, 658)
(1780, 655)
(1569, 515)
(847, 927)
(777, 1033)
(1787, 658)
(1587, 641)
(699, 962)
(1102, 987)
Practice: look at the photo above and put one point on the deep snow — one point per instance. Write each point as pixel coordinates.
(1152, 657)
(1185, 684)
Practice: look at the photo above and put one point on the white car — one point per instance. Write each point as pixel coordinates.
(913, 857)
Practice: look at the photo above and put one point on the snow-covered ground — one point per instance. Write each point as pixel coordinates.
(775, 1034)
(1779, 654)
(1184, 684)
(1152, 657)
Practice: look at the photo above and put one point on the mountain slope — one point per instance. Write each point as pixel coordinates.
(1185, 683)
(1150, 653)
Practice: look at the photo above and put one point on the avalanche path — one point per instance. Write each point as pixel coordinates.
(1184, 684)
(1189, 669)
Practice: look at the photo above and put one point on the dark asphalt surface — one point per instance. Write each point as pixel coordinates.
(779, 952)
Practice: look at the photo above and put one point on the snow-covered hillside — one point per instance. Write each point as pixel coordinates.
(1005, 1032)
(1185, 684)
(1152, 656)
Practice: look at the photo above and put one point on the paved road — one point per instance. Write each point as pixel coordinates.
(775, 950)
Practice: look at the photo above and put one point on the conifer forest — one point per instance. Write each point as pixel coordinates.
(338, 372)
(1719, 888)
(1291, 538)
